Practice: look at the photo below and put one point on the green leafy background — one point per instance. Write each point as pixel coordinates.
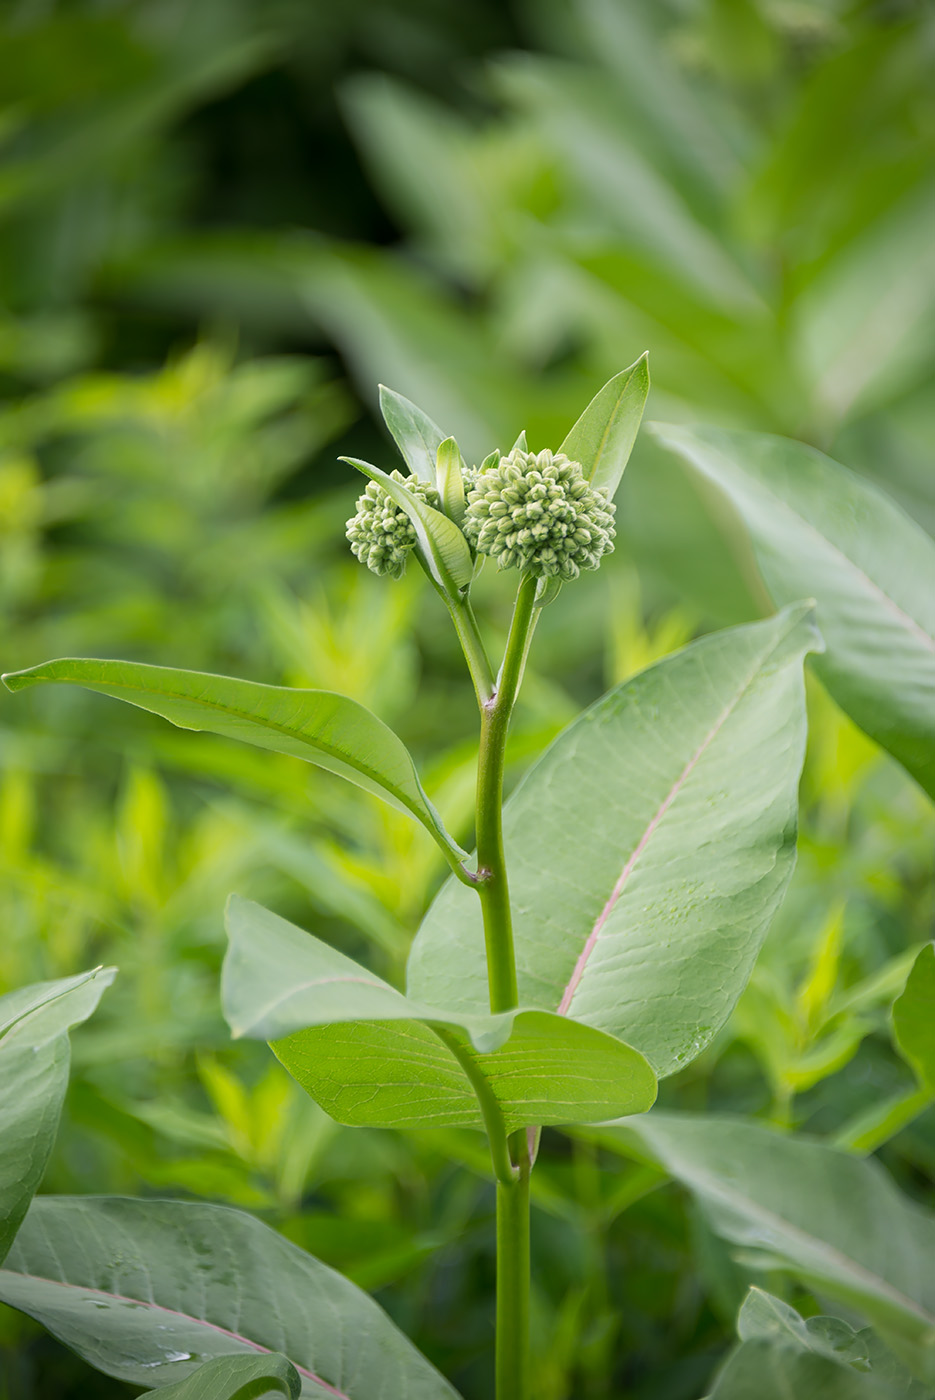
(221, 227)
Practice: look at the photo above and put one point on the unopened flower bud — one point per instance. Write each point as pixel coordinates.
(381, 534)
(537, 512)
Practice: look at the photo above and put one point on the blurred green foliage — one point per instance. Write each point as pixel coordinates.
(220, 226)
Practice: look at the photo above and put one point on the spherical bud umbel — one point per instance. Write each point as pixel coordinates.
(535, 511)
(381, 534)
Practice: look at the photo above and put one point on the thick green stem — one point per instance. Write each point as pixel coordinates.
(512, 1159)
(491, 866)
(512, 1344)
(512, 1364)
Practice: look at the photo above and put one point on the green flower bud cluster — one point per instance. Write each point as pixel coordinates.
(381, 534)
(537, 512)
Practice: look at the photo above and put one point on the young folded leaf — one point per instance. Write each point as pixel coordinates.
(331, 731)
(417, 437)
(449, 468)
(370, 1055)
(440, 544)
(147, 1290)
(648, 849)
(34, 1060)
(237, 1378)
(603, 437)
(818, 530)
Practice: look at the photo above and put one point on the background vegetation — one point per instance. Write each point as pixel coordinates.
(221, 225)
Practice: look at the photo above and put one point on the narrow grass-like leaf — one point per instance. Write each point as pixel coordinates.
(237, 1378)
(370, 1055)
(648, 849)
(914, 1018)
(834, 1220)
(603, 437)
(147, 1290)
(819, 530)
(441, 545)
(329, 730)
(34, 1060)
(416, 436)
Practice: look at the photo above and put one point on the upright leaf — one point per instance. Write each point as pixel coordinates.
(648, 849)
(237, 1378)
(834, 1220)
(441, 545)
(819, 530)
(331, 731)
(914, 1018)
(34, 1060)
(417, 437)
(603, 437)
(370, 1055)
(147, 1290)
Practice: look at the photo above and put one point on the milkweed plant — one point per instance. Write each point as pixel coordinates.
(595, 941)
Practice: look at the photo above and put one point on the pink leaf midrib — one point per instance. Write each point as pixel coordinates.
(653, 824)
(187, 1317)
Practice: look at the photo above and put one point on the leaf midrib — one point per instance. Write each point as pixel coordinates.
(174, 1312)
(277, 728)
(652, 827)
(911, 624)
(711, 1185)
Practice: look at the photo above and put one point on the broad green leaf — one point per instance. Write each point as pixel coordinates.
(819, 530)
(603, 437)
(147, 1290)
(834, 1220)
(237, 1378)
(914, 1018)
(370, 1055)
(648, 849)
(329, 730)
(416, 436)
(441, 545)
(34, 1060)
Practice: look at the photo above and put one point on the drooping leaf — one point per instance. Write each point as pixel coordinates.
(648, 849)
(441, 545)
(914, 1018)
(237, 1378)
(603, 437)
(370, 1055)
(34, 1060)
(834, 1220)
(147, 1290)
(818, 530)
(329, 730)
(416, 436)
